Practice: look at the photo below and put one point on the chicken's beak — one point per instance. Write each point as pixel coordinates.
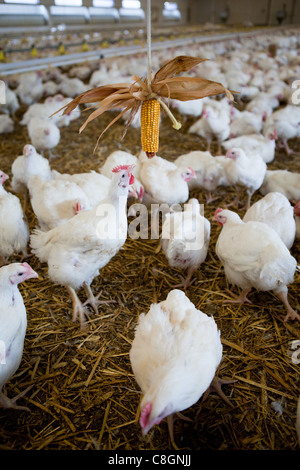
(30, 273)
(5, 177)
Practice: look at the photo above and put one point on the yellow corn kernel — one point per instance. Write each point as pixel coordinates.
(150, 114)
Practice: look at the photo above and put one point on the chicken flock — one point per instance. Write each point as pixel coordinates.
(82, 219)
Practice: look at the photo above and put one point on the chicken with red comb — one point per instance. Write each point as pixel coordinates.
(128, 168)
(76, 250)
(118, 157)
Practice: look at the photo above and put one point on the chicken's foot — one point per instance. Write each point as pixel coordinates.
(78, 308)
(291, 313)
(210, 198)
(6, 402)
(93, 300)
(288, 149)
(238, 299)
(216, 386)
(236, 201)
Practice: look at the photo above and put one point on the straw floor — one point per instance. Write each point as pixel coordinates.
(84, 395)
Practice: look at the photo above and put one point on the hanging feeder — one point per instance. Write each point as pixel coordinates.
(150, 93)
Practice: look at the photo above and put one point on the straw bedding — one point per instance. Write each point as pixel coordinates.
(84, 395)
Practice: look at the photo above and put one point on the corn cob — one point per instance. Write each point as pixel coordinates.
(150, 113)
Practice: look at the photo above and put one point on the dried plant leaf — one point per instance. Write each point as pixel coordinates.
(175, 66)
(189, 88)
(94, 95)
(107, 104)
(141, 82)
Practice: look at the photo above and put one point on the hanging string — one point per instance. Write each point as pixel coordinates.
(149, 70)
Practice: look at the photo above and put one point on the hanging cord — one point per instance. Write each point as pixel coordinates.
(176, 124)
(149, 42)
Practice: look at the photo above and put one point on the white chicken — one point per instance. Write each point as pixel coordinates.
(185, 239)
(276, 211)
(283, 181)
(120, 157)
(72, 87)
(248, 92)
(13, 324)
(14, 231)
(80, 71)
(286, 122)
(30, 88)
(62, 120)
(209, 171)
(99, 77)
(280, 90)
(246, 123)
(213, 124)
(244, 171)
(174, 356)
(43, 134)
(7, 125)
(46, 109)
(255, 144)
(54, 201)
(165, 182)
(262, 104)
(254, 256)
(27, 165)
(76, 250)
(50, 88)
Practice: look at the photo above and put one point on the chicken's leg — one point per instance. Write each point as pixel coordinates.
(170, 420)
(291, 313)
(92, 300)
(288, 149)
(249, 196)
(78, 308)
(188, 280)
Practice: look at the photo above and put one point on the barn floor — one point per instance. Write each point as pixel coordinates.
(84, 395)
